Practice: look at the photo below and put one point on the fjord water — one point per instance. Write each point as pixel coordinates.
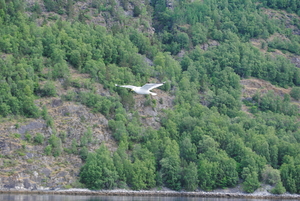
(47, 197)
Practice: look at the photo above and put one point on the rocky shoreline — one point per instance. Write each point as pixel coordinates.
(121, 192)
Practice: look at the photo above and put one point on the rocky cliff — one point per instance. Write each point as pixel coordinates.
(24, 163)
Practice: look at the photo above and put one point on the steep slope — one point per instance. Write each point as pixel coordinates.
(292, 23)
(252, 86)
(24, 163)
(64, 119)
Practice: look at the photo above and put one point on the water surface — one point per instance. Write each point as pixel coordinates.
(46, 197)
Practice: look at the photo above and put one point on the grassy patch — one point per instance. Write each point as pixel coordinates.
(16, 135)
(9, 163)
(68, 186)
(30, 160)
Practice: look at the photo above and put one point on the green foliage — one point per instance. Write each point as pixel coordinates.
(49, 120)
(56, 145)
(48, 150)
(74, 146)
(28, 137)
(119, 130)
(9, 163)
(86, 138)
(63, 136)
(215, 168)
(123, 165)
(190, 177)
(295, 93)
(170, 165)
(188, 150)
(136, 11)
(278, 189)
(39, 138)
(271, 176)
(251, 182)
(83, 141)
(205, 140)
(275, 103)
(293, 5)
(4, 109)
(143, 169)
(285, 45)
(98, 103)
(83, 153)
(207, 174)
(289, 175)
(16, 135)
(99, 171)
(49, 89)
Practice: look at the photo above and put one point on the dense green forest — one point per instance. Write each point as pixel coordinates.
(205, 141)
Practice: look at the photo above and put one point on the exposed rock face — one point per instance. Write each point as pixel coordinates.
(296, 61)
(150, 109)
(34, 125)
(24, 165)
(210, 43)
(252, 86)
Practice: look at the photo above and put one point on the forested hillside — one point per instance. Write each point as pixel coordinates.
(203, 130)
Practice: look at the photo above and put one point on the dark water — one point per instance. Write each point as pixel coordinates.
(20, 197)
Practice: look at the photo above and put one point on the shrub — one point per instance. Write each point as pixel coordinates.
(99, 171)
(16, 135)
(28, 137)
(49, 122)
(74, 146)
(68, 186)
(83, 153)
(251, 182)
(278, 189)
(56, 144)
(49, 89)
(83, 141)
(9, 163)
(20, 152)
(295, 93)
(39, 138)
(63, 136)
(48, 150)
(136, 11)
(270, 175)
(68, 151)
(71, 95)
